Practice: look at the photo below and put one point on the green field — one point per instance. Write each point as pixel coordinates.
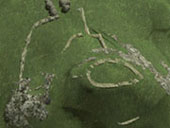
(75, 103)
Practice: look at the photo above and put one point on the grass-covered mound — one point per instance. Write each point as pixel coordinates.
(75, 103)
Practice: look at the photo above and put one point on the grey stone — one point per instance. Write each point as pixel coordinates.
(49, 6)
(65, 5)
(23, 105)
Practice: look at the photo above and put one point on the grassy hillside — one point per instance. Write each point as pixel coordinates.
(75, 103)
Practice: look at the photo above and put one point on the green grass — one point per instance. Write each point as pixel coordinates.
(138, 22)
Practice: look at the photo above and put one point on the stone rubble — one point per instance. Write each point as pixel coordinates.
(134, 56)
(23, 106)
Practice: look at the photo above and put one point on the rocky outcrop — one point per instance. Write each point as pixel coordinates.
(24, 105)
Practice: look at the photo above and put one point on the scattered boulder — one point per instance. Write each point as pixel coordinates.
(65, 5)
(49, 6)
